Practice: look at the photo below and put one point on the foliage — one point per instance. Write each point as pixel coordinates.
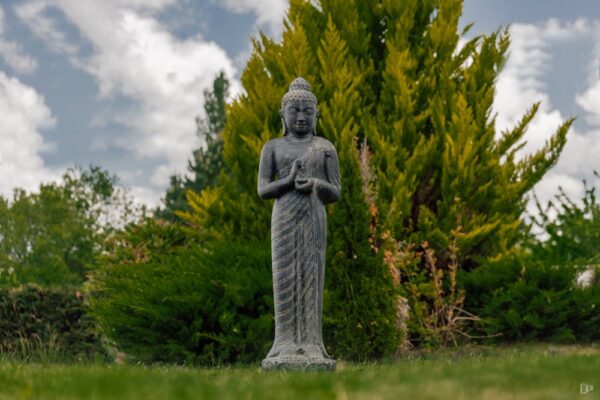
(533, 295)
(389, 72)
(203, 304)
(360, 318)
(524, 299)
(436, 303)
(146, 240)
(207, 162)
(40, 324)
(53, 236)
(570, 231)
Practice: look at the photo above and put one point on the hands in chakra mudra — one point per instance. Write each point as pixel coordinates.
(300, 170)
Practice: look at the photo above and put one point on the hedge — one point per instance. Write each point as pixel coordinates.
(37, 322)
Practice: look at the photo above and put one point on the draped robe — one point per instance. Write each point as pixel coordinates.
(298, 242)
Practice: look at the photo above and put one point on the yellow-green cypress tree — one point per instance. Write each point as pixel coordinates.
(390, 72)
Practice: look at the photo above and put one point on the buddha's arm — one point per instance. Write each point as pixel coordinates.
(329, 191)
(268, 188)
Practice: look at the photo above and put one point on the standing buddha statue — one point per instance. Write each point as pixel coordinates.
(300, 171)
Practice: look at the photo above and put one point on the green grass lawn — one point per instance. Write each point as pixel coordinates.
(521, 372)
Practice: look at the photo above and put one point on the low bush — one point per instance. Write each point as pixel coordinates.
(197, 303)
(523, 299)
(569, 229)
(436, 316)
(533, 294)
(46, 324)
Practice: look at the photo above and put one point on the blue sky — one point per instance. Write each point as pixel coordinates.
(119, 82)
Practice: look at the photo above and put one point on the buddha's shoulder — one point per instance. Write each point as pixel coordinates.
(320, 142)
(272, 144)
(324, 143)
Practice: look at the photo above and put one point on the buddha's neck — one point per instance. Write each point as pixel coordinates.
(297, 138)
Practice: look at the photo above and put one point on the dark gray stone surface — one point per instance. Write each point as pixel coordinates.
(300, 170)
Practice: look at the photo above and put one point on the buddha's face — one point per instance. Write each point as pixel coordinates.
(300, 116)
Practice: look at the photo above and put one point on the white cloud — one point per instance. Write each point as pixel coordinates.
(146, 196)
(135, 56)
(13, 53)
(162, 175)
(142, 195)
(43, 26)
(521, 83)
(589, 100)
(268, 12)
(24, 113)
(555, 30)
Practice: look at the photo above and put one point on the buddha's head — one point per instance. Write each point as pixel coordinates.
(299, 109)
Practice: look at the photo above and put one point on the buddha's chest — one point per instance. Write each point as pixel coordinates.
(312, 157)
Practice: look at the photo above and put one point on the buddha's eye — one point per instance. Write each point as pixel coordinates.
(308, 111)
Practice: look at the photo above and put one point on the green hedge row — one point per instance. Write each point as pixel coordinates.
(38, 322)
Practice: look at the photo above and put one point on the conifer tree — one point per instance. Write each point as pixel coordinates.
(207, 161)
(388, 75)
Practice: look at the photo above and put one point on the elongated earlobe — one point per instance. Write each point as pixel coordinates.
(283, 124)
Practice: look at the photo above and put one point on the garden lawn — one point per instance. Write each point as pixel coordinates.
(523, 372)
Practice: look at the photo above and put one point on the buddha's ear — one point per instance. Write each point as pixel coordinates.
(285, 128)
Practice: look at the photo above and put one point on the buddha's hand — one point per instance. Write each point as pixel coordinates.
(296, 167)
(304, 185)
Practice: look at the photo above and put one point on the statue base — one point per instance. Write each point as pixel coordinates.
(298, 363)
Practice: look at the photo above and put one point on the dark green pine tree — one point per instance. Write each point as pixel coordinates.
(207, 161)
(390, 72)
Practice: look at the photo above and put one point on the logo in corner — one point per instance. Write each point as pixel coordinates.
(584, 388)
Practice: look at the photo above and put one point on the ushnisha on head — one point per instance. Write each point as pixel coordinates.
(299, 109)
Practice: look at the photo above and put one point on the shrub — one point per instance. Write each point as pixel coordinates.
(570, 230)
(40, 324)
(523, 299)
(145, 241)
(436, 315)
(532, 294)
(201, 304)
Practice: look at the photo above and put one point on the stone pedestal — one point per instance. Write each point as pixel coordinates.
(299, 363)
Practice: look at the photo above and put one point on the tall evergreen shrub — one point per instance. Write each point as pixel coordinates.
(388, 74)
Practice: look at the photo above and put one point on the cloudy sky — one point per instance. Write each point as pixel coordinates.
(119, 82)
